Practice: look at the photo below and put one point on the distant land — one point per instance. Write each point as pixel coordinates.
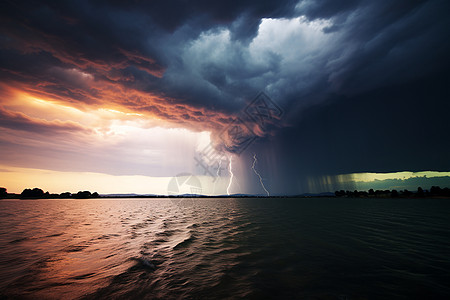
(37, 193)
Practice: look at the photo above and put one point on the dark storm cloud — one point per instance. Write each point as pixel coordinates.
(148, 46)
(131, 44)
(325, 62)
(388, 98)
(366, 45)
(79, 34)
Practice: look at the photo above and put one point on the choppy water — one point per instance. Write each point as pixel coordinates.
(225, 248)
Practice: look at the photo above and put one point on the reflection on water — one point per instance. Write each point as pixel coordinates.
(225, 248)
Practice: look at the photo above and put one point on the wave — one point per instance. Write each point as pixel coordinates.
(185, 243)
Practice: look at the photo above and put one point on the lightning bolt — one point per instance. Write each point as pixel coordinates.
(256, 172)
(231, 175)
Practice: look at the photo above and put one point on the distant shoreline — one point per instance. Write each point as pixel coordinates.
(433, 192)
(17, 197)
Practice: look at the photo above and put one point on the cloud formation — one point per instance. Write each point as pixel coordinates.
(219, 55)
(197, 64)
(20, 121)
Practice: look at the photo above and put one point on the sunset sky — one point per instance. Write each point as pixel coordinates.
(120, 97)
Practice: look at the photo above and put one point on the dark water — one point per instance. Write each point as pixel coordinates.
(225, 248)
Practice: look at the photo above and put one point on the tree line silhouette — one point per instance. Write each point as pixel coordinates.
(434, 191)
(37, 193)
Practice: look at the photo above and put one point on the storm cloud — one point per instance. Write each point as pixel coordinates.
(355, 78)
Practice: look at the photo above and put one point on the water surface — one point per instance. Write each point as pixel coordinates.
(225, 248)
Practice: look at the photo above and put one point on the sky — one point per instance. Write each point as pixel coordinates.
(258, 97)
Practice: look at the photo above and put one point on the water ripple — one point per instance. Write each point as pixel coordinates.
(225, 248)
